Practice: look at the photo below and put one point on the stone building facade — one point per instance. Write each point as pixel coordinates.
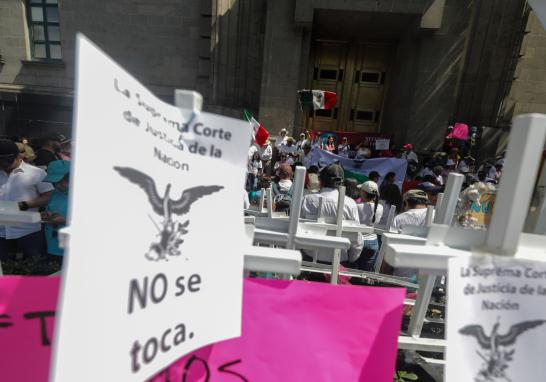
(403, 67)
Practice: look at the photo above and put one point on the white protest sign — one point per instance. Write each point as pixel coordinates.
(382, 144)
(496, 328)
(155, 259)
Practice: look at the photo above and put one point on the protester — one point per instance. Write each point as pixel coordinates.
(66, 148)
(283, 159)
(351, 189)
(316, 142)
(282, 188)
(301, 142)
(331, 178)
(289, 147)
(281, 139)
(252, 149)
(466, 165)
(408, 153)
(438, 171)
(307, 156)
(266, 154)
(390, 196)
(370, 212)
(312, 185)
(56, 213)
(23, 183)
(498, 171)
(330, 145)
(374, 176)
(26, 152)
(344, 148)
(388, 180)
(415, 210)
(431, 190)
(254, 170)
(362, 151)
(49, 150)
(448, 169)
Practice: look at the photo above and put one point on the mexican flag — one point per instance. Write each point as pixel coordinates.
(317, 99)
(258, 131)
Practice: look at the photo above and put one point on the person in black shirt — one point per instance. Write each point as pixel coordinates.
(49, 150)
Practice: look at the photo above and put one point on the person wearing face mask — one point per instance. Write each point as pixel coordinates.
(56, 213)
(49, 150)
(23, 183)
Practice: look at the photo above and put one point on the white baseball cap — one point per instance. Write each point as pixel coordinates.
(369, 187)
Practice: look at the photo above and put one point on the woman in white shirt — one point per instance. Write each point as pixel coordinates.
(370, 213)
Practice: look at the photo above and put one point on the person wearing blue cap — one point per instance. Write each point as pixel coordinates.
(56, 213)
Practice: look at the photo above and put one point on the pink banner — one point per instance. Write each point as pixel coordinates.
(27, 310)
(301, 331)
(292, 331)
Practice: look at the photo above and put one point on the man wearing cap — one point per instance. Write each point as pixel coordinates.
(281, 139)
(331, 178)
(56, 213)
(408, 153)
(415, 207)
(431, 190)
(49, 150)
(23, 183)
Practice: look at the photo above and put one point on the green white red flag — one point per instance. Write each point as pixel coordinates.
(317, 99)
(259, 132)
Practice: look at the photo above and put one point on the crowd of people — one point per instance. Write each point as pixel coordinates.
(36, 177)
(367, 202)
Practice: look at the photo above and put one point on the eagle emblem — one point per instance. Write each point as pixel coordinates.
(496, 354)
(170, 231)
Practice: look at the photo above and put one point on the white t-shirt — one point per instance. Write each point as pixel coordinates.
(252, 150)
(254, 167)
(266, 152)
(416, 216)
(343, 150)
(284, 185)
(280, 141)
(365, 214)
(22, 184)
(410, 156)
(329, 196)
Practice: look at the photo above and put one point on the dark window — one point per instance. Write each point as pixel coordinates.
(45, 34)
(323, 113)
(371, 77)
(365, 115)
(328, 74)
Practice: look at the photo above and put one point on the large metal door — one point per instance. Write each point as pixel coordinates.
(358, 74)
